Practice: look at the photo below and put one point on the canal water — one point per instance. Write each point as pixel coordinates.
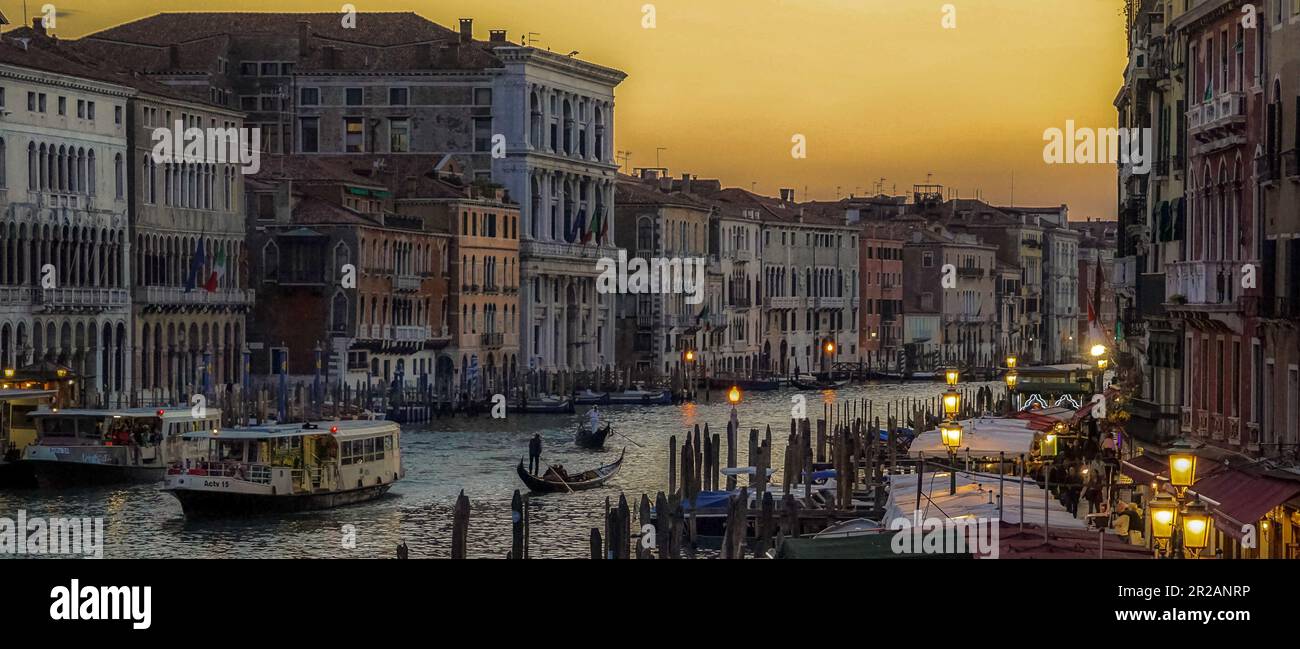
(443, 457)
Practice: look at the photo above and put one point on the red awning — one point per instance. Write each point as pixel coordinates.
(1238, 498)
(1064, 544)
(1143, 468)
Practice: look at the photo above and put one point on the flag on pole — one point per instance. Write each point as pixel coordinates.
(594, 229)
(218, 272)
(196, 266)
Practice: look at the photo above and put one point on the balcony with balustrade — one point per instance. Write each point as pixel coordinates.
(784, 302)
(173, 296)
(1203, 286)
(1222, 116)
(406, 283)
(80, 299)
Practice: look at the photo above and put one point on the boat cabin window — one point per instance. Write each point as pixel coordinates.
(81, 427)
(370, 449)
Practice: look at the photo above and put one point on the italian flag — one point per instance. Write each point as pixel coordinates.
(218, 271)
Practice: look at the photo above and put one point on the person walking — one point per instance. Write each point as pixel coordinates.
(535, 454)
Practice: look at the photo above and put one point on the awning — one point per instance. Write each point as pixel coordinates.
(1238, 498)
(1143, 469)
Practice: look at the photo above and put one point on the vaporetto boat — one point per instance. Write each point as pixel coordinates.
(81, 447)
(287, 468)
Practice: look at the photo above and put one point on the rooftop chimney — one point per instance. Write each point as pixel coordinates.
(38, 25)
(787, 195)
(686, 183)
(304, 35)
(497, 36)
(466, 30)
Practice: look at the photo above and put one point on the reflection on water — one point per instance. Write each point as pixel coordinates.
(441, 458)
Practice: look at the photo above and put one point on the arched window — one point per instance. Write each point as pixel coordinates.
(119, 177)
(270, 261)
(33, 171)
(339, 320)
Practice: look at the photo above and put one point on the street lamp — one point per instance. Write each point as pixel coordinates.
(733, 396)
(1163, 511)
(1011, 362)
(951, 376)
(1049, 447)
(1182, 466)
(1098, 350)
(689, 357)
(1196, 527)
(1102, 363)
(951, 404)
(1012, 378)
(9, 372)
(950, 432)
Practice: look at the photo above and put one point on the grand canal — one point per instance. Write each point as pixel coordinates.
(441, 458)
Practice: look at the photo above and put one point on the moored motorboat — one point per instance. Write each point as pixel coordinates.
(586, 438)
(641, 396)
(547, 406)
(81, 447)
(589, 398)
(557, 480)
(287, 468)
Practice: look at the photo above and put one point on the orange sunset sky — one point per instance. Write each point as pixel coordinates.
(878, 87)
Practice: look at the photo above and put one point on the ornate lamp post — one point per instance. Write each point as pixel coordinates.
(1189, 521)
(950, 432)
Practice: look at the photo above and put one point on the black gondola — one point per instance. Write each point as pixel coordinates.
(556, 481)
(819, 384)
(587, 439)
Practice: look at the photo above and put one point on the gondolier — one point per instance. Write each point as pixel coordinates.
(593, 419)
(535, 454)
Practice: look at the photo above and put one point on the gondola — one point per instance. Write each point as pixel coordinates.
(587, 439)
(818, 384)
(553, 481)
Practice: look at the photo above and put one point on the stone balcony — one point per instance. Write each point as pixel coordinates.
(54, 299)
(1223, 115)
(175, 296)
(1203, 286)
(406, 283)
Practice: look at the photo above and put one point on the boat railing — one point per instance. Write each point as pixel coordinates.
(257, 473)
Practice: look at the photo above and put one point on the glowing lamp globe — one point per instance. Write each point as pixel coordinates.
(951, 404)
(951, 434)
(1182, 465)
(1196, 526)
(1163, 512)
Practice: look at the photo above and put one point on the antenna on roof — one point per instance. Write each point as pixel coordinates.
(528, 38)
